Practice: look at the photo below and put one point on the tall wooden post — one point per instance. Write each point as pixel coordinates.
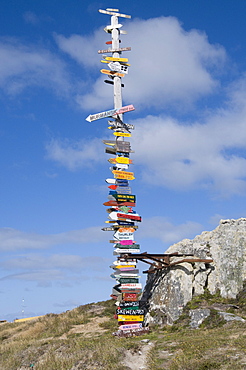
(122, 217)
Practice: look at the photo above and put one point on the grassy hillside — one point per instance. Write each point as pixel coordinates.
(82, 339)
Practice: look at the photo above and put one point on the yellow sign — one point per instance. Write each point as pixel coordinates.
(112, 73)
(130, 318)
(123, 176)
(124, 266)
(126, 134)
(112, 59)
(125, 64)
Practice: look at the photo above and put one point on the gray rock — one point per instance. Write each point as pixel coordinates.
(198, 316)
(230, 316)
(167, 291)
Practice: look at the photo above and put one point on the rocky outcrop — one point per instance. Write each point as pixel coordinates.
(167, 291)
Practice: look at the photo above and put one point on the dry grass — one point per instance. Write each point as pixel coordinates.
(82, 339)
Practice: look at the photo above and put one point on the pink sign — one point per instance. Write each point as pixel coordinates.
(130, 326)
(126, 242)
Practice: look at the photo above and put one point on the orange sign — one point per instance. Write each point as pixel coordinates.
(112, 73)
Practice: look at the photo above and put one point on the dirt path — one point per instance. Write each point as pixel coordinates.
(137, 360)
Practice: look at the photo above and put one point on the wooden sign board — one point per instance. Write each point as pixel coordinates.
(110, 11)
(111, 73)
(123, 175)
(131, 333)
(114, 142)
(130, 318)
(122, 134)
(125, 109)
(120, 160)
(126, 273)
(125, 197)
(129, 216)
(113, 59)
(118, 251)
(110, 151)
(122, 182)
(131, 285)
(120, 166)
(128, 280)
(124, 311)
(130, 326)
(125, 266)
(129, 247)
(130, 297)
(129, 304)
(114, 50)
(123, 236)
(96, 116)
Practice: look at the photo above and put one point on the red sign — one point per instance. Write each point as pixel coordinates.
(130, 297)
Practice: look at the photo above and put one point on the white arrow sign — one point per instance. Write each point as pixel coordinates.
(117, 67)
(96, 116)
(111, 27)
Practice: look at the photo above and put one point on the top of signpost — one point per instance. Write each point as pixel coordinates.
(110, 11)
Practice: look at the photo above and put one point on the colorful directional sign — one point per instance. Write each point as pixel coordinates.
(111, 73)
(113, 50)
(130, 318)
(96, 116)
(114, 12)
(113, 59)
(120, 160)
(123, 134)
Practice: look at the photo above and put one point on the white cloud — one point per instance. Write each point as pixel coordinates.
(31, 18)
(23, 66)
(210, 155)
(83, 49)
(75, 155)
(55, 262)
(168, 64)
(11, 239)
(163, 229)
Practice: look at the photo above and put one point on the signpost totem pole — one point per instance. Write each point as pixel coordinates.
(121, 202)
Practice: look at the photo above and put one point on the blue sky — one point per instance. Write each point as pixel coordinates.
(187, 83)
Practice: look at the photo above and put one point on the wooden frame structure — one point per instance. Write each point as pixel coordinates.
(161, 261)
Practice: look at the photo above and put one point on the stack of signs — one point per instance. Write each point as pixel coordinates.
(121, 202)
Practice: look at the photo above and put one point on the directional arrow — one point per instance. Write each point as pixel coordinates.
(96, 116)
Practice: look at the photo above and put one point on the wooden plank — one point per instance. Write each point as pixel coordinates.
(129, 247)
(130, 297)
(126, 312)
(115, 142)
(123, 134)
(130, 217)
(130, 318)
(131, 333)
(96, 116)
(125, 197)
(122, 160)
(111, 73)
(114, 50)
(110, 11)
(127, 108)
(113, 59)
(123, 175)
